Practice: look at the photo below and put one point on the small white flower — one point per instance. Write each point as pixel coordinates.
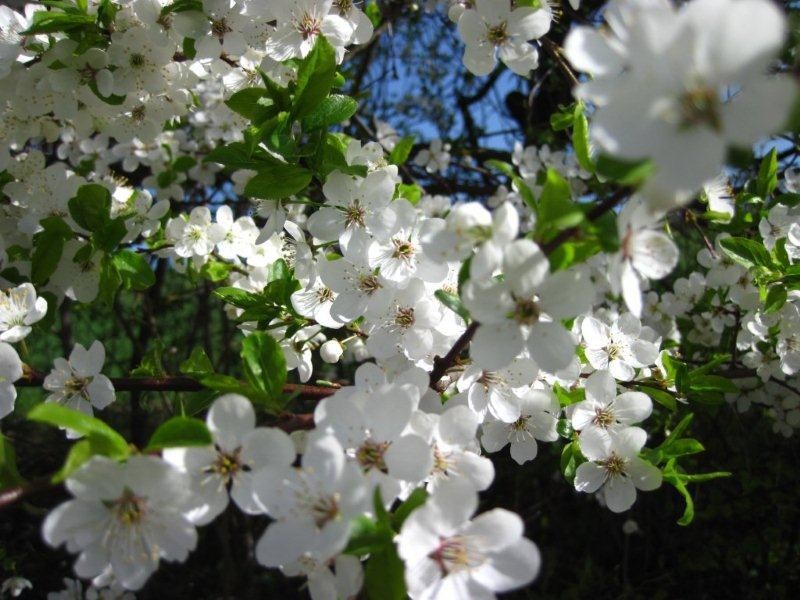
(123, 516)
(617, 471)
(621, 348)
(492, 28)
(19, 309)
(604, 414)
(10, 371)
(312, 506)
(448, 555)
(644, 254)
(77, 383)
(240, 449)
(539, 410)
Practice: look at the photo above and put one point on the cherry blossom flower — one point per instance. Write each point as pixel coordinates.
(616, 471)
(20, 308)
(124, 516)
(240, 450)
(77, 383)
(450, 555)
(492, 29)
(539, 410)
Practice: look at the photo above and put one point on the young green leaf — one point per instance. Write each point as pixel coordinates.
(179, 432)
(113, 444)
(264, 364)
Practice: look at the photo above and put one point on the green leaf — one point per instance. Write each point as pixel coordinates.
(702, 477)
(767, 179)
(621, 171)
(182, 6)
(78, 454)
(216, 270)
(681, 447)
(108, 236)
(91, 206)
(663, 397)
(571, 458)
(52, 22)
(410, 191)
(264, 364)
(502, 166)
(315, 77)
(384, 576)
(567, 397)
(401, 151)
(253, 104)
(180, 432)
(238, 297)
(688, 513)
(556, 209)
(416, 499)
(237, 155)
(198, 363)
(151, 364)
(224, 383)
(373, 12)
(278, 181)
(580, 139)
(776, 298)
(333, 109)
(453, 302)
(368, 536)
(112, 443)
(9, 474)
(564, 429)
(746, 252)
(47, 249)
(134, 270)
(712, 383)
(563, 118)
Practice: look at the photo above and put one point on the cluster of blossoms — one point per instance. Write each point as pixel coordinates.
(392, 281)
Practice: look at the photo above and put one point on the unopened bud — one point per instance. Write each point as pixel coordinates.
(331, 351)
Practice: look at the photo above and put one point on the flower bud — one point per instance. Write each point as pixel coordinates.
(331, 351)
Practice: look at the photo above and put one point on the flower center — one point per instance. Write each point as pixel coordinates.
(489, 378)
(324, 510)
(370, 455)
(497, 34)
(228, 464)
(76, 385)
(220, 28)
(526, 311)
(308, 26)
(354, 215)
(136, 60)
(404, 317)
(343, 6)
(403, 249)
(614, 465)
(129, 508)
(368, 284)
(455, 554)
(700, 106)
(324, 294)
(603, 417)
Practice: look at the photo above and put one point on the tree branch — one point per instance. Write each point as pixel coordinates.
(178, 383)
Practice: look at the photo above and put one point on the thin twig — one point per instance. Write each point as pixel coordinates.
(178, 383)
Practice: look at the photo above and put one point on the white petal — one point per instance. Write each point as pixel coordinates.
(589, 477)
(619, 493)
(409, 458)
(229, 419)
